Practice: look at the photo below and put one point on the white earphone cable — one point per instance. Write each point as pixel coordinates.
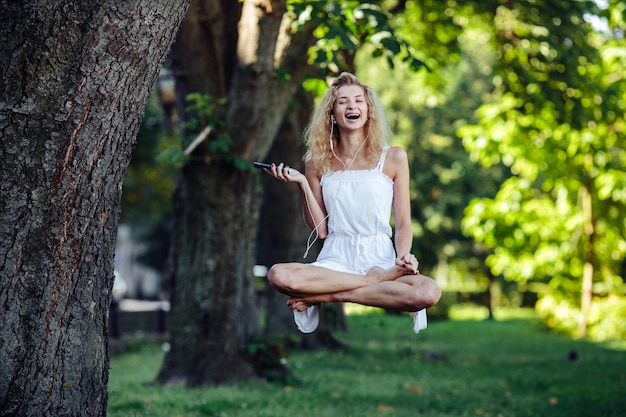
(310, 243)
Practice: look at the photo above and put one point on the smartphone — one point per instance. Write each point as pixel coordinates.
(261, 165)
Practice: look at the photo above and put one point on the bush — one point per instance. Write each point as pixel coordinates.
(606, 321)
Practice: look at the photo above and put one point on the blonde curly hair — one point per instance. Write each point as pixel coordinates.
(317, 134)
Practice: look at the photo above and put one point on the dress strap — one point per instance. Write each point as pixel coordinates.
(381, 161)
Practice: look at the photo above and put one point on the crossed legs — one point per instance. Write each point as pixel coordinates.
(392, 289)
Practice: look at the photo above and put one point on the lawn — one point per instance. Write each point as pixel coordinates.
(507, 367)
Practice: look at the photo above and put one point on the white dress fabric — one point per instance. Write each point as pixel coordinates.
(359, 206)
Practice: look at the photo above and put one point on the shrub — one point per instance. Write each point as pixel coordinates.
(606, 321)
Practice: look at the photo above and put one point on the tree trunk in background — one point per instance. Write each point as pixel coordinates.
(211, 318)
(75, 78)
(283, 233)
(232, 50)
(589, 232)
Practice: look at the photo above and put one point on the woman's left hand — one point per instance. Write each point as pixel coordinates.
(409, 262)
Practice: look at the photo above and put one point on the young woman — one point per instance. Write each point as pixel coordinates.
(352, 181)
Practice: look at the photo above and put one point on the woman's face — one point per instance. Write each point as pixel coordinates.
(350, 108)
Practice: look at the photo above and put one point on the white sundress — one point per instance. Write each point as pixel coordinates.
(359, 209)
(359, 205)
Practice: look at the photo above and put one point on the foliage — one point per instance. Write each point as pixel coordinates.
(204, 111)
(555, 118)
(607, 318)
(425, 109)
(534, 94)
(207, 111)
(454, 368)
(342, 28)
(148, 188)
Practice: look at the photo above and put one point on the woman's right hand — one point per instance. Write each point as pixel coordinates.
(285, 173)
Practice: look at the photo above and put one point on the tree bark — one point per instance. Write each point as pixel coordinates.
(283, 234)
(282, 230)
(75, 77)
(235, 50)
(213, 306)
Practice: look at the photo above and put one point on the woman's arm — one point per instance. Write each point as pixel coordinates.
(398, 165)
(313, 207)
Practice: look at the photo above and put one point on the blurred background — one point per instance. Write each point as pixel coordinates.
(512, 115)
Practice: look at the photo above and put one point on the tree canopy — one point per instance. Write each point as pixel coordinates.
(534, 92)
(555, 119)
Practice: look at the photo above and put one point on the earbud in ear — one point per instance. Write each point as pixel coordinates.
(332, 119)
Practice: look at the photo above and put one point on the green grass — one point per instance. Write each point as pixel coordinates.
(471, 367)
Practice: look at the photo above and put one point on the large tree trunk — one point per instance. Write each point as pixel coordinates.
(213, 306)
(225, 49)
(75, 77)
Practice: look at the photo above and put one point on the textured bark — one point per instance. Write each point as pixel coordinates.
(213, 311)
(283, 234)
(226, 49)
(282, 230)
(75, 77)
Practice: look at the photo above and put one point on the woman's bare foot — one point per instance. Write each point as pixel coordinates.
(379, 274)
(300, 304)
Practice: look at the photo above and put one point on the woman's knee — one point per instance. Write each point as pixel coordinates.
(432, 294)
(279, 277)
(426, 294)
(274, 275)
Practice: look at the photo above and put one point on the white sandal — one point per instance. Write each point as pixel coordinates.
(420, 322)
(307, 320)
